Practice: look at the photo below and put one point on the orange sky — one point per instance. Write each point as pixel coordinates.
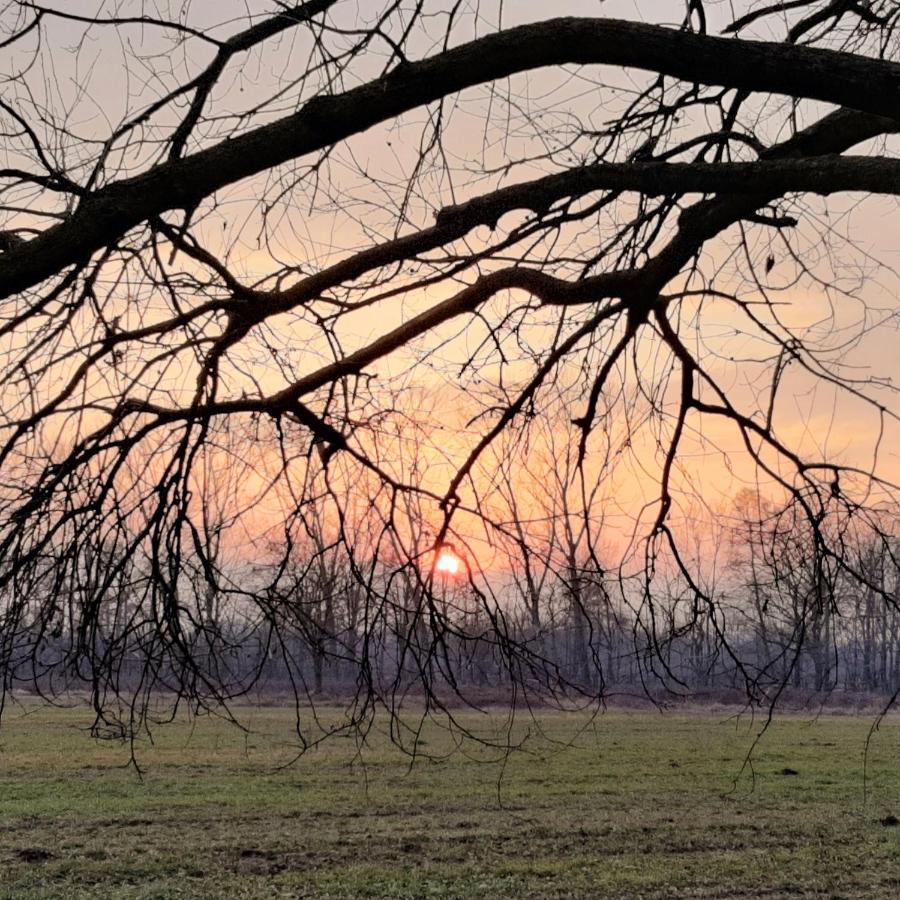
(815, 419)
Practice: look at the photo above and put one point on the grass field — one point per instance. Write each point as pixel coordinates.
(643, 805)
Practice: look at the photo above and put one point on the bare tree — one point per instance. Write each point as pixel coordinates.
(283, 219)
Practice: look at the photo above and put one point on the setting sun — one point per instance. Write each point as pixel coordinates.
(448, 563)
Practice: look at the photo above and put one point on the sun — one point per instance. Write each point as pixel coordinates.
(448, 563)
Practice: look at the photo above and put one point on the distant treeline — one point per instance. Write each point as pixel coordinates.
(779, 616)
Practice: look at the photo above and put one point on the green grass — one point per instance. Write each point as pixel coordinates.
(643, 805)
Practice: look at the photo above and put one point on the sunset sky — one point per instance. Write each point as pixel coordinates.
(355, 202)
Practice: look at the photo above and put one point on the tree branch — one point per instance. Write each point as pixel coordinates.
(858, 83)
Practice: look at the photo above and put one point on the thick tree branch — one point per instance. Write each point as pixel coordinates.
(769, 178)
(865, 84)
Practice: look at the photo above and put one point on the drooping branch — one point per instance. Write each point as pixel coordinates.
(869, 85)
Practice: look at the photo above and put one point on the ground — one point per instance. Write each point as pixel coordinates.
(643, 805)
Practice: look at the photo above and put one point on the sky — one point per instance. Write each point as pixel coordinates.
(308, 228)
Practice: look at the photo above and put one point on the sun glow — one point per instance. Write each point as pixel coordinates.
(448, 563)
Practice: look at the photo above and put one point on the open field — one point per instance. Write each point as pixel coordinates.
(643, 805)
